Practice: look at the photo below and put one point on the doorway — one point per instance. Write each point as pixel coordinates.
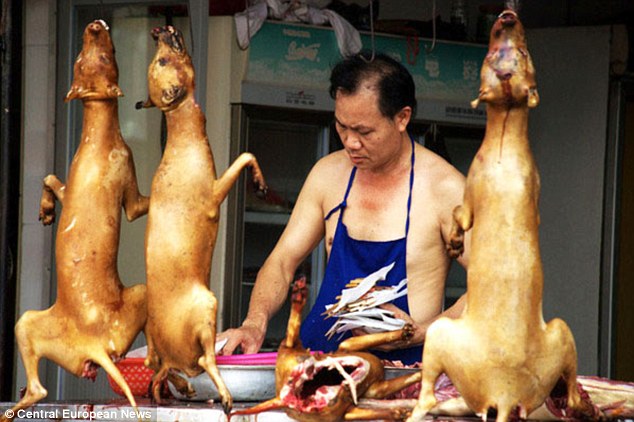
(624, 281)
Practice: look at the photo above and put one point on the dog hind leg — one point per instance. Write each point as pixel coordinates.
(207, 338)
(25, 330)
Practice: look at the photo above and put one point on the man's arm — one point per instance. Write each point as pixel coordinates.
(452, 195)
(453, 188)
(302, 234)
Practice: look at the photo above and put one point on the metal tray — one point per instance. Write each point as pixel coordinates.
(245, 382)
(248, 382)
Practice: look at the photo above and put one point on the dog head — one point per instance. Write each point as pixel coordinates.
(171, 73)
(322, 387)
(95, 73)
(508, 75)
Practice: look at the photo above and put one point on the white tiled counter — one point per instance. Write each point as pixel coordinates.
(120, 411)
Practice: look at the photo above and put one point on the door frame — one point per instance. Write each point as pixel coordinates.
(620, 90)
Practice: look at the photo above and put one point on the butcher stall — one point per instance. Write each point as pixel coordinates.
(263, 88)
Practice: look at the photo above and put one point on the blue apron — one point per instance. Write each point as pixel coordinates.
(350, 259)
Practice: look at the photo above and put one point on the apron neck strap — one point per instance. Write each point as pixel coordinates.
(411, 184)
(344, 202)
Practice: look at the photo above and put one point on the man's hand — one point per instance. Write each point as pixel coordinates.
(416, 339)
(248, 337)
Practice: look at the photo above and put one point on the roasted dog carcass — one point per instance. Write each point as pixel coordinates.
(326, 387)
(604, 398)
(183, 223)
(501, 354)
(94, 319)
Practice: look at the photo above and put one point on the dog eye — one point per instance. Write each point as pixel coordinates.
(163, 61)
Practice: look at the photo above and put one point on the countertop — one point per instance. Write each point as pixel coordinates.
(119, 410)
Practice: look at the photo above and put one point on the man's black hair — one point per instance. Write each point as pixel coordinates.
(394, 82)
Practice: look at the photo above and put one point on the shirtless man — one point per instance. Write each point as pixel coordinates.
(358, 199)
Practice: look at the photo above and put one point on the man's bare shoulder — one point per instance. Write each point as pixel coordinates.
(437, 172)
(326, 181)
(335, 161)
(439, 186)
(329, 169)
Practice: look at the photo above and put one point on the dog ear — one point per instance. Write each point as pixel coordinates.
(176, 42)
(144, 104)
(173, 95)
(533, 97)
(482, 94)
(114, 91)
(77, 91)
(72, 94)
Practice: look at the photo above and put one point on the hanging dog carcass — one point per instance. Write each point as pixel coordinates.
(94, 319)
(183, 223)
(500, 354)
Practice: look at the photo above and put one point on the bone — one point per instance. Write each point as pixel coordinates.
(352, 385)
(296, 366)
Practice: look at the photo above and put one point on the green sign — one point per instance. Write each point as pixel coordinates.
(301, 56)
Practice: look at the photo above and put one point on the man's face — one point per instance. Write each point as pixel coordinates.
(370, 139)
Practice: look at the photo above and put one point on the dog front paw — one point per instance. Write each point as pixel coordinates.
(407, 332)
(47, 209)
(455, 247)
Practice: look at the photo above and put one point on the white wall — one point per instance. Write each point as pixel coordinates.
(223, 73)
(568, 133)
(38, 153)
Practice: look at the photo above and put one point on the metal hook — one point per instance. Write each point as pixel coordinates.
(371, 34)
(101, 15)
(513, 5)
(433, 28)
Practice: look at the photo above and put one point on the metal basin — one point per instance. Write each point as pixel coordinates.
(245, 382)
(248, 382)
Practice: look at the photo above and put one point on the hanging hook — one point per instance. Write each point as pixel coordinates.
(372, 29)
(371, 34)
(433, 28)
(514, 5)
